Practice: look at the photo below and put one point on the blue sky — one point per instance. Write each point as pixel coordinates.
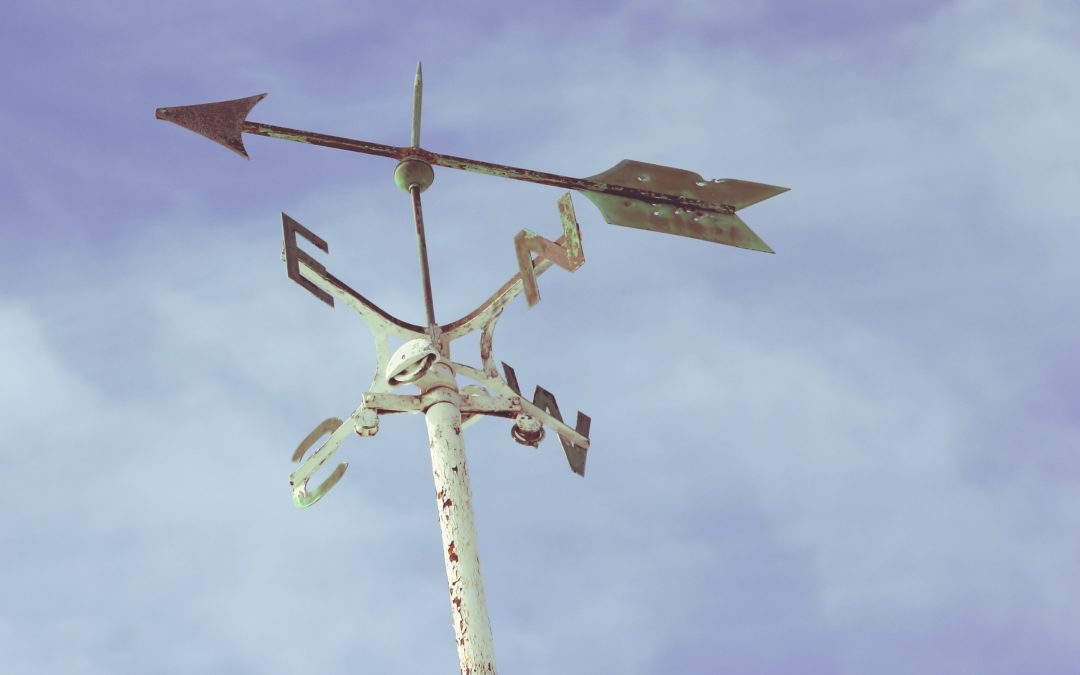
(857, 455)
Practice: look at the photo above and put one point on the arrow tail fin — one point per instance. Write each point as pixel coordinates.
(741, 193)
(714, 226)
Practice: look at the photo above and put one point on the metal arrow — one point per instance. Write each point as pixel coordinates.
(631, 193)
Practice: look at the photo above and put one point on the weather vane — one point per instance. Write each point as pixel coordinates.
(632, 194)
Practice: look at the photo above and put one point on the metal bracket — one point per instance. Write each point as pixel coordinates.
(494, 397)
(363, 420)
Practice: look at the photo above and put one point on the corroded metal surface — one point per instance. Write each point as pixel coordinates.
(631, 193)
(567, 254)
(484, 318)
(221, 122)
(505, 401)
(732, 194)
(714, 226)
(294, 254)
(600, 183)
(329, 141)
(719, 225)
(472, 628)
(425, 271)
(443, 408)
(393, 403)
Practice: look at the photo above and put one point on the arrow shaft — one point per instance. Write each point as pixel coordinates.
(425, 271)
(568, 183)
(326, 140)
(478, 166)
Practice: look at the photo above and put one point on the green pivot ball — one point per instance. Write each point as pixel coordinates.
(412, 171)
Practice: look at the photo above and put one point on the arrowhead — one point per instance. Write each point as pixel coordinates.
(221, 122)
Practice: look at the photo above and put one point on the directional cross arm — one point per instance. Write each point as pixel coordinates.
(505, 391)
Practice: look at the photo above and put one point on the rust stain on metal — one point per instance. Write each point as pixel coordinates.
(284, 137)
(328, 141)
(567, 253)
(627, 194)
(447, 504)
(665, 185)
(221, 122)
(451, 553)
(718, 226)
(294, 255)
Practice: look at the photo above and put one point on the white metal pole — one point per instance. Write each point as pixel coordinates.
(472, 628)
(442, 412)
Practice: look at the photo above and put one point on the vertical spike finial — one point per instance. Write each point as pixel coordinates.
(418, 98)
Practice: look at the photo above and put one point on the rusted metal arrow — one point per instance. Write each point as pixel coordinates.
(631, 193)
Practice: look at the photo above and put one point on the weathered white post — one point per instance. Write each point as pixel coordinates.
(472, 629)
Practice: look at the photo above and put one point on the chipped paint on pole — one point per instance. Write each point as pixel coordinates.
(472, 628)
